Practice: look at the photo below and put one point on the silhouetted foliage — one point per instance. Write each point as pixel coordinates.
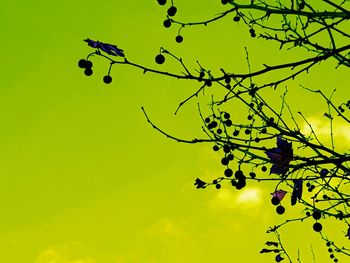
(300, 159)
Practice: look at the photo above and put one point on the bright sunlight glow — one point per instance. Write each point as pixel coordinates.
(249, 196)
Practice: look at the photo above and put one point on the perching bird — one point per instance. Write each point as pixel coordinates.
(108, 48)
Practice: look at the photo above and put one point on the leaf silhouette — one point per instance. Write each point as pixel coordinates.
(108, 48)
(280, 156)
(297, 190)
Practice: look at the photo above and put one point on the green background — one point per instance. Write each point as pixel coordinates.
(83, 176)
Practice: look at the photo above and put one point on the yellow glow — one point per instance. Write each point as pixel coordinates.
(249, 196)
(223, 200)
(321, 126)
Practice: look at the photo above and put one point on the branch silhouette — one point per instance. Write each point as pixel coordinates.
(269, 145)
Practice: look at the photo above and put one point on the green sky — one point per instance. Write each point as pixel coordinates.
(83, 176)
